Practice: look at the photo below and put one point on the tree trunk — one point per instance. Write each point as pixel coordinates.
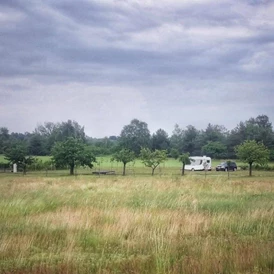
(183, 170)
(24, 169)
(71, 170)
(250, 169)
(124, 169)
(152, 173)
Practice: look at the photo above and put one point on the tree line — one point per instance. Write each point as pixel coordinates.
(135, 140)
(214, 141)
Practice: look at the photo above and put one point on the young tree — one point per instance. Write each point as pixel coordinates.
(252, 152)
(185, 160)
(125, 156)
(153, 159)
(72, 152)
(17, 154)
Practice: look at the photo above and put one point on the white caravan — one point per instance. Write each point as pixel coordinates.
(199, 163)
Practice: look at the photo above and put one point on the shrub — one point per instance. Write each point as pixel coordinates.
(4, 166)
(243, 167)
(263, 167)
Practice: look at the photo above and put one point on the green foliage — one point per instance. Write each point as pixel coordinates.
(58, 132)
(125, 156)
(214, 133)
(37, 145)
(185, 160)
(258, 129)
(174, 153)
(265, 167)
(190, 139)
(17, 154)
(72, 152)
(214, 149)
(243, 167)
(176, 141)
(135, 136)
(102, 146)
(39, 164)
(212, 140)
(252, 152)
(160, 140)
(153, 159)
(4, 166)
(4, 139)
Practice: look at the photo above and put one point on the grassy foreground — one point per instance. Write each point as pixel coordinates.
(112, 224)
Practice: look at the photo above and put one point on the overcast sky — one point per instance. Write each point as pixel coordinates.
(103, 63)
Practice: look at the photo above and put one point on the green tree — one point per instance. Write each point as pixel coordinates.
(70, 129)
(17, 154)
(160, 140)
(153, 159)
(125, 156)
(48, 131)
(252, 152)
(102, 146)
(72, 152)
(215, 149)
(190, 140)
(37, 145)
(185, 160)
(258, 129)
(183, 141)
(59, 132)
(135, 136)
(4, 139)
(176, 140)
(174, 153)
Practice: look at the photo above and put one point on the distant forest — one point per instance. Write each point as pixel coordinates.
(214, 141)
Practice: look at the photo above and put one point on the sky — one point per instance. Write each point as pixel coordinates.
(165, 62)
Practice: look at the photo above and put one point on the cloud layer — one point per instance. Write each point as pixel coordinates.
(103, 63)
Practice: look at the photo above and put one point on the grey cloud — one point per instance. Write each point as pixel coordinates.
(187, 58)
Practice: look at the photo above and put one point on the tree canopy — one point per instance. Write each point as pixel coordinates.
(17, 154)
(252, 152)
(125, 156)
(135, 136)
(185, 160)
(215, 149)
(214, 140)
(153, 159)
(72, 152)
(160, 140)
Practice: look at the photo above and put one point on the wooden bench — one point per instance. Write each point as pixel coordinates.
(104, 172)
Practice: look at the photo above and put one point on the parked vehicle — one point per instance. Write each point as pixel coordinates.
(199, 163)
(225, 166)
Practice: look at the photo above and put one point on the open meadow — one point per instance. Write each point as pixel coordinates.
(137, 224)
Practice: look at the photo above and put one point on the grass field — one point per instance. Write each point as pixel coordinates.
(137, 224)
(105, 162)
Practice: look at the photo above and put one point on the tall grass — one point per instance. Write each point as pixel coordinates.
(89, 224)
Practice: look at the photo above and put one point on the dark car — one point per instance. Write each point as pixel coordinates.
(225, 166)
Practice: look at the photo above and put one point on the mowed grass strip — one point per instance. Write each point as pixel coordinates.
(89, 224)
